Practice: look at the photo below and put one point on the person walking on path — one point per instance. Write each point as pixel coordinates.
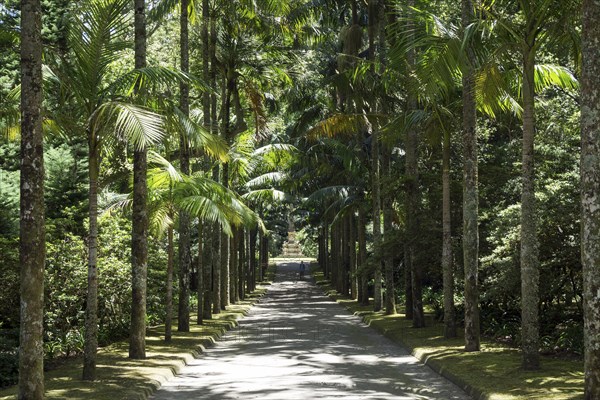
(301, 270)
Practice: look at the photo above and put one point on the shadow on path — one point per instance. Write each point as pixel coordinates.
(298, 344)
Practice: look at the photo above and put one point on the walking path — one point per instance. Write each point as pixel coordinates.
(298, 344)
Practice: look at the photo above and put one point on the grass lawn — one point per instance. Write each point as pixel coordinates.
(120, 378)
(494, 373)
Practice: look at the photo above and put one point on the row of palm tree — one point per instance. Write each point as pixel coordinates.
(129, 110)
(400, 94)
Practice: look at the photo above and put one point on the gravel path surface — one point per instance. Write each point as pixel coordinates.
(298, 344)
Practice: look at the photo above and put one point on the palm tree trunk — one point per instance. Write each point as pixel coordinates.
(206, 119)
(260, 256)
(205, 63)
(447, 269)
(207, 273)
(139, 234)
(91, 310)
(183, 314)
(225, 132)
(216, 236)
(529, 244)
(363, 289)
(252, 259)
(345, 241)
(388, 257)
(32, 223)
(200, 273)
(590, 198)
(233, 267)
(325, 264)
(413, 208)
(242, 263)
(334, 257)
(169, 288)
(470, 242)
(409, 311)
(375, 177)
(216, 268)
(224, 267)
(352, 256)
(377, 296)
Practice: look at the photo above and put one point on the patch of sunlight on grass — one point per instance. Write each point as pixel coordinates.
(494, 372)
(120, 378)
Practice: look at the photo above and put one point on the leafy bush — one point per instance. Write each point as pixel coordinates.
(9, 357)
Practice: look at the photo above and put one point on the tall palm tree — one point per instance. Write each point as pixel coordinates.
(540, 22)
(590, 194)
(470, 240)
(102, 113)
(183, 314)
(32, 237)
(139, 234)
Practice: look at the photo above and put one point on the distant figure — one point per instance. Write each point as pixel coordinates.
(302, 269)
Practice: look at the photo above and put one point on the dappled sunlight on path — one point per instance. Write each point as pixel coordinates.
(297, 344)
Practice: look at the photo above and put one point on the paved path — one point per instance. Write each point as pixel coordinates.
(298, 344)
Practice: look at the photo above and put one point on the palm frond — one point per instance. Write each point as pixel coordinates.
(137, 125)
(266, 196)
(199, 137)
(547, 75)
(164, 165)
(153, 78)
(266, 179)
(347, 125)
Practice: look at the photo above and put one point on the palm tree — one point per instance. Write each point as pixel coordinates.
(540, 22)
(590, 189)
(101, 112)
(139, 234)
(32, 236)
(470, 240)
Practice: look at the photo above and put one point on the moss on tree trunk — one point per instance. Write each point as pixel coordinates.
(590, 194)
(32, 225)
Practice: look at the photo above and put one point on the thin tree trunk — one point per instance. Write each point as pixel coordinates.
(139, 234)
(412, 206)
(325, 264)
(335, 257)
(233, 267)
(252, 259)
(242, 263)
(447, 268)
(409, 311)
(224, 271)
(32, 220)
(375, 177)
(470, 242)
(205, 63)
(590, 198)
(183, 314)
(91, 310)
(216, 256)
(207, 272)
(225, 133)
(388, 257)
(216, 269)
(353, 268)
(529, 243)
(207, 122)
(200, 274)
(169, 288)
(345, 241)
(362, 257)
